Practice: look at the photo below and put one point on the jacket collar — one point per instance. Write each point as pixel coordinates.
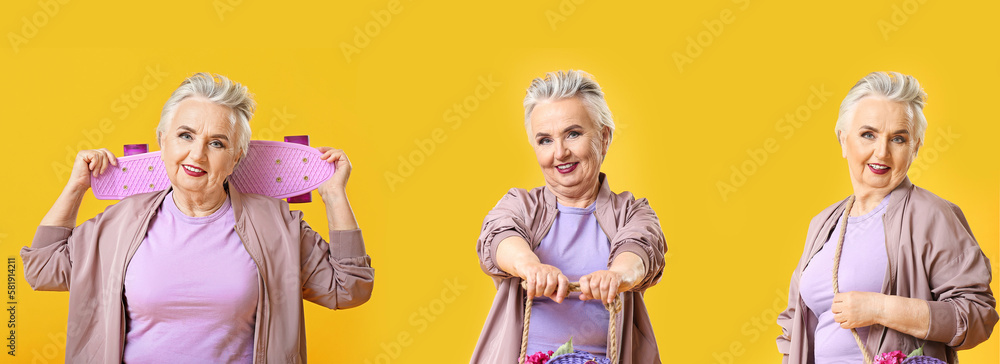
(236, 200)
(603, 194)
(896, 200)
(899, 194)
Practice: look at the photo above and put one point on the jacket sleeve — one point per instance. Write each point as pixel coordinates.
(963, 313)
(505, 220)
(48, 262)
(786, 319)
(336, 275)
(641, 234)
(789, 319)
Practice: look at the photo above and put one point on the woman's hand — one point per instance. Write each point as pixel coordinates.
(339, 214)
(88, 163)
(514, 256)
(543, 280)
(625, 272)
(857, 309)
(910, 316)
(604, 285)
(337, 184)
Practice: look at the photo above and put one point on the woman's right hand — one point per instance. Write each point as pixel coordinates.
(88, 163)
(543, 280)
(91, 162)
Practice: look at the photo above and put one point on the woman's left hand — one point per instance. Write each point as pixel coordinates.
(337, 184)
(334, 191)
(604, 285)
(857, 309)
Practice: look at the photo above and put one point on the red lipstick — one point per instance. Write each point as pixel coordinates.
(871, 167)
(571, 168)
(198, 172)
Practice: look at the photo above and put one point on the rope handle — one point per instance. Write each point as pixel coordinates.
(836, 269)
(614, 308)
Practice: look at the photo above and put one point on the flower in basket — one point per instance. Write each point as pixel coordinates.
(916, 357)
(564, 354)
(892, 357)
(539, 358)
(542, 358)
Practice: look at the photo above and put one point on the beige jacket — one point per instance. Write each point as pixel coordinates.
(932, 256)
(631, 226)
(293, 263)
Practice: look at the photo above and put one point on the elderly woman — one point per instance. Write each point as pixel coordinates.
(892, 267)
(199, 272)
(573, 228)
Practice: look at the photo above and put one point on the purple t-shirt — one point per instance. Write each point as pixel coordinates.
(577, 246)
(863, 263)
(190, 291)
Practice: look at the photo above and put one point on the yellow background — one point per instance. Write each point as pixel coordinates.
(680, 130)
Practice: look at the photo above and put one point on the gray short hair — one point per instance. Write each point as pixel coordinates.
(222, 91)
(565, 84)
(894, 86)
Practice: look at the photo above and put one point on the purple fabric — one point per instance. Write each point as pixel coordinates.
(863, 263)
(190, 291)
(577, 246)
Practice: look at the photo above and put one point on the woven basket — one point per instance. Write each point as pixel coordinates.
(578, 356)
(924, 360)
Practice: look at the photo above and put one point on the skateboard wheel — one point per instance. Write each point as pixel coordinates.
(133, 149)
(297, 139)
(304, 140)
(303, 198)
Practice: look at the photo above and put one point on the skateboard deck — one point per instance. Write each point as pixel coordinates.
(275, 169)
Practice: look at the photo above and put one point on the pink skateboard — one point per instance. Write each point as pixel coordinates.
(270, 168)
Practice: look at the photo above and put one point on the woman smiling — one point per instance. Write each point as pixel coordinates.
(893, 266)
(573, 228)
(198, 272)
